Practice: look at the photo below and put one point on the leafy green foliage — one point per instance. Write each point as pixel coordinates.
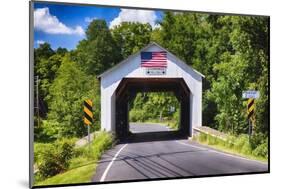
(46, 70)
(67, 94)
(131, 37)
(44, 51)
(78, 163)
(157, 104)
(53, 158)
(47, 62)
(241, 69)
(262, 150)
(98, 51)
(47, 132)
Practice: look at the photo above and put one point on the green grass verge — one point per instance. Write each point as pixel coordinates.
(78, 175)
(82, 166)
(234, 145)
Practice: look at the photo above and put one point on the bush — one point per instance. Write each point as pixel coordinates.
(258, 139)
(138, 115)
(39, 149)
(176, 117)
(47, 132)
(54, 158)
(262, 150)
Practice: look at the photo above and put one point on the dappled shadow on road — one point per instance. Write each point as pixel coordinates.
(126, 157)
(156, 165)
(153, 136)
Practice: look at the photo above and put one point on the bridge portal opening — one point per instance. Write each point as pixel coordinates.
(128, 90)
(152, 112)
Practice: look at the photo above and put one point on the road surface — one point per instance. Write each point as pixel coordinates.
(168, 159)
(147, 127)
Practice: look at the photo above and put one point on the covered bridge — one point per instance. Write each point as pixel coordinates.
(155, 69)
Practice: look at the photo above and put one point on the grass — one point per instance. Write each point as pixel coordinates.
(83, 165)
(78, 175)
(235, 145)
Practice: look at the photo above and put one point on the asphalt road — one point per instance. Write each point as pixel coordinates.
(147, 127)
(168, 159)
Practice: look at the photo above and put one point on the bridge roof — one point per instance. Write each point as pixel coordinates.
(143, 49)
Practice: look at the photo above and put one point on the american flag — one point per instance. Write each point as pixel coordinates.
(154, 59)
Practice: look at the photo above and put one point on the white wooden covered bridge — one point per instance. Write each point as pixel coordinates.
(153, 68)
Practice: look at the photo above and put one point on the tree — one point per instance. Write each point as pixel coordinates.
(241, 68)
(45, 66)
(98, 51)
(46, 70)
(153, 105)
(179, 34)
(67, 93)
(231, 51)
(44, 51)
(61, 51)
(131, 37)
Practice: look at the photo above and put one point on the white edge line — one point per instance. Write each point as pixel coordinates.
(218, 152)
(110, 164)
(191, 145)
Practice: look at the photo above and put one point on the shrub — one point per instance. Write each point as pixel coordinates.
(39, 149)
(55, 157)
(176, 117)
(257, 139)
(51, 129)
(47, 132)
(262, 150)
(138, 115)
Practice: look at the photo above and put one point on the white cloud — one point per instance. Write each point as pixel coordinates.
(89, 19)
(44, 21)
(131, 15)
(39, 42)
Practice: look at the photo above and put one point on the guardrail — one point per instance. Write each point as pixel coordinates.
(210, 131)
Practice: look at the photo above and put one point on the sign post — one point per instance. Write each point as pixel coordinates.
(88, 116)
(251, 96)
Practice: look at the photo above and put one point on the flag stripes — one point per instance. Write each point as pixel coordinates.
(154, 59)
(88, 114)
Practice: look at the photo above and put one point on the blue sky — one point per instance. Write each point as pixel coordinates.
(65, 25)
